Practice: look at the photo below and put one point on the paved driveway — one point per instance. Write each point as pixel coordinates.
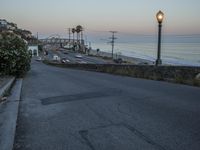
(63, 109)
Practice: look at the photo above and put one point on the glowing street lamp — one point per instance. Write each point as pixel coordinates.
(160, 17)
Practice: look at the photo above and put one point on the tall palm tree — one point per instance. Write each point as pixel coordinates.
(79, 30)
(73, 31)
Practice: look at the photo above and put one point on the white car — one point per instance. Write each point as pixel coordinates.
(56, 58)
(78, 56)
(38, 59)
(64, 60)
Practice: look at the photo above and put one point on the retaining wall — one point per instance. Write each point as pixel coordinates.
(178, 74)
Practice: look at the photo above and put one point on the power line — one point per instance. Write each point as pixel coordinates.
(113, 38)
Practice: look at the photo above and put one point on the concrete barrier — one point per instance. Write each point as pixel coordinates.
(7, 86)
(177, 74)
(8, 117)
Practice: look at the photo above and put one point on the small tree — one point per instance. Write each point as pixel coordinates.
(14, 57)
(98, 51)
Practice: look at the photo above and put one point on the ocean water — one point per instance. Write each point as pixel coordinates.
(177, 50)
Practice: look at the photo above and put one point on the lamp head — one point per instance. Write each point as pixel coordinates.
(160, 16)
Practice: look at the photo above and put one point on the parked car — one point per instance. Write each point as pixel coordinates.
(64, 60)
(118, 60)
(65, 52)
(56, 58)
(78, 56)
(38, 59)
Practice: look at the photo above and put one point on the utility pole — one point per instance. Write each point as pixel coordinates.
(37, 35)
(37, 44)
(69, 34)
(37, 39)
(113, 38)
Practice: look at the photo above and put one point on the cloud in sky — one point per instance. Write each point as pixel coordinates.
(134, 16)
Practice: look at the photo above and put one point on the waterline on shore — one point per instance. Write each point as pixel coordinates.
(183, 54)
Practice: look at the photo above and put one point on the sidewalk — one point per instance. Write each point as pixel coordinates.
(8, 116)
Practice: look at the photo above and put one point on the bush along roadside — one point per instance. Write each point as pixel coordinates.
(14, 57)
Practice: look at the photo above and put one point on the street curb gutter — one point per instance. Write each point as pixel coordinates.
(7, 86)
(8, 117)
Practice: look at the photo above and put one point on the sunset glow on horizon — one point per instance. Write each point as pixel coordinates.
(128, 16)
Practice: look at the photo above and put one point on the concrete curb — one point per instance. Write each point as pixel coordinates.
(8, 117)
(6, 86)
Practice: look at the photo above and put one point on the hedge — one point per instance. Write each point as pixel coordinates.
(14, 57)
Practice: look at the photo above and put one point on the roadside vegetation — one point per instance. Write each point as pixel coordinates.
(14, 57)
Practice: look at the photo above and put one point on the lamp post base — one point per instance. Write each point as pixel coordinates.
(158, 62)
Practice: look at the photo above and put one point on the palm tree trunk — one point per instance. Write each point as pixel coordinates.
(77, 37)
(81, 37)
(73, 38)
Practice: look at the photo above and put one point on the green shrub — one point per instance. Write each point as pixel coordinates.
(14, 57)
(179, 79)
(196, 82)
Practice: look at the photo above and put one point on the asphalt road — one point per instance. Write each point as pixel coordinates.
(71, 56)
(64, 109)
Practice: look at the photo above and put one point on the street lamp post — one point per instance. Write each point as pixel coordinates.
(159, 16)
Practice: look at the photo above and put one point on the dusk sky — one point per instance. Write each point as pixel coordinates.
(126, 16)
